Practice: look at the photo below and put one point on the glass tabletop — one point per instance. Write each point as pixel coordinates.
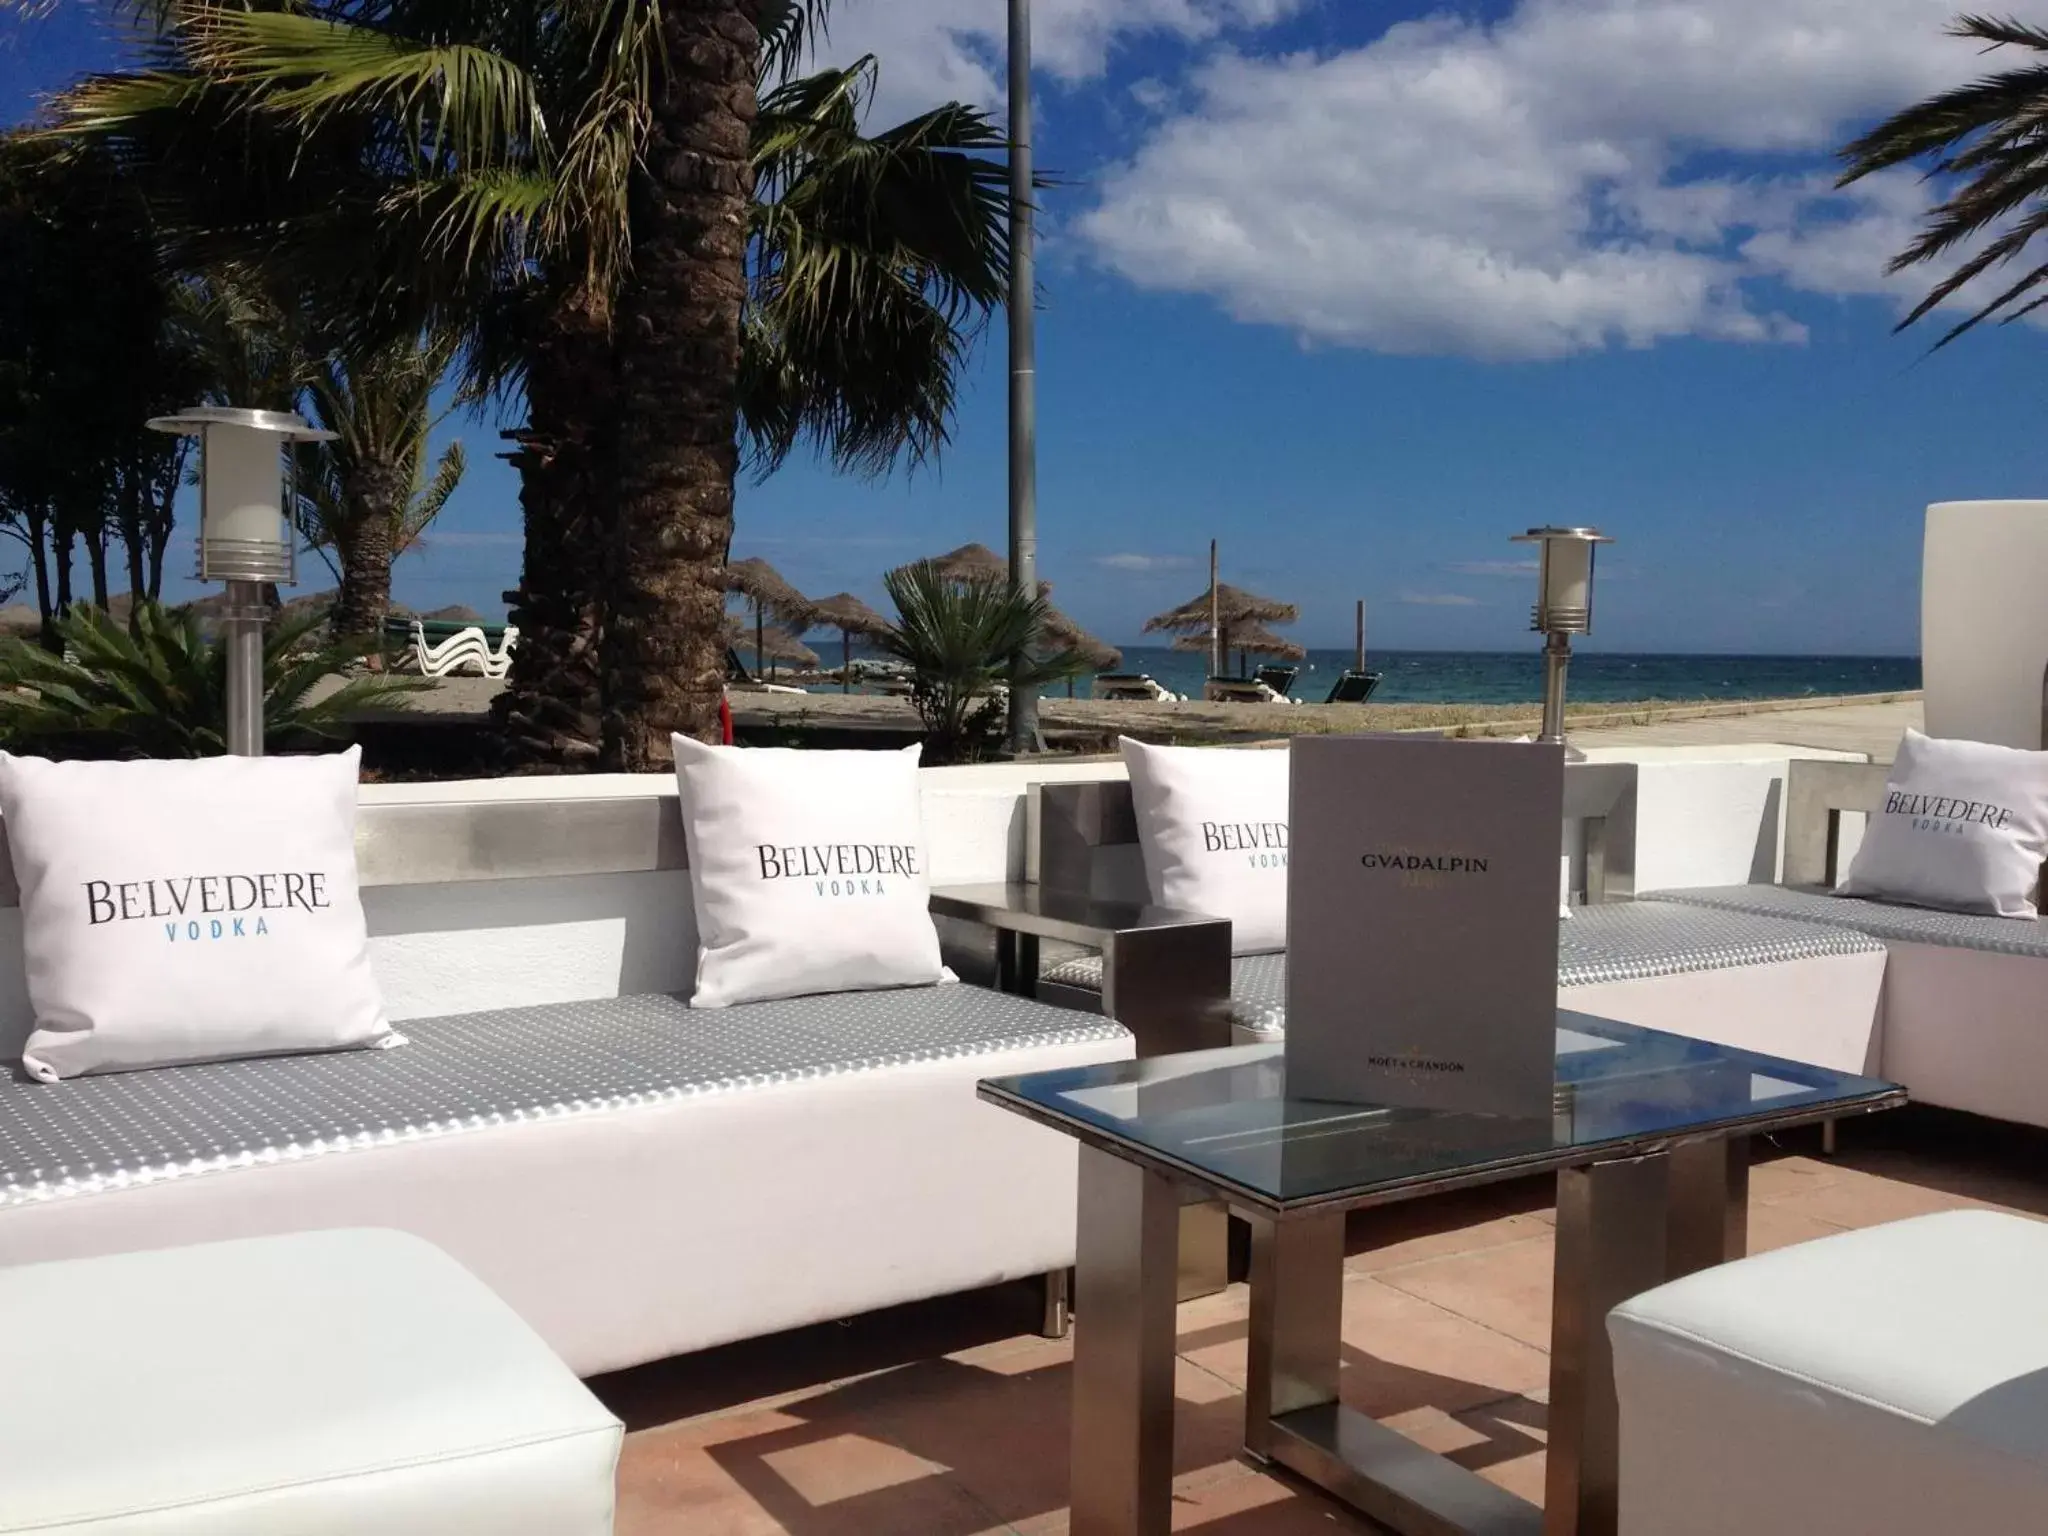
(1226, 1118)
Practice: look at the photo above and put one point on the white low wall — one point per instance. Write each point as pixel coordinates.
(1710, 816)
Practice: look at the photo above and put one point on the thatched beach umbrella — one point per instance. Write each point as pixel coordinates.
(1233, 608)
(1248, 640)
(1064, 635)
(968, 563)
(776, 645)
(850, 616)
(764, 587)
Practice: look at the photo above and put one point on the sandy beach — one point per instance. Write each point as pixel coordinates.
(1083, 725)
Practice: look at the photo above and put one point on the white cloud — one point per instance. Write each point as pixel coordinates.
(953, 50)
(1580, 174)
(1144, 563)
(1517, 568)
(1437, 600)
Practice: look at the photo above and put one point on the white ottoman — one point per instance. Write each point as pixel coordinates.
(1882, 1382)
(321, 1384)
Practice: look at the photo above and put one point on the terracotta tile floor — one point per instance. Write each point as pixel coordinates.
(950, 1418)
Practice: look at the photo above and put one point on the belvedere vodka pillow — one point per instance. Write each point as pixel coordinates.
(1212, 824)
(807, 871)
(1963, 825)
(189, 911)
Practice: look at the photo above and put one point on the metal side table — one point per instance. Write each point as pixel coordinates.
(1165, 978)
(1649, 1139)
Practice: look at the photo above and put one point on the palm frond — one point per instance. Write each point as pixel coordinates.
(453, 99)
(1989, 139)
(876, 261)
(431, 498)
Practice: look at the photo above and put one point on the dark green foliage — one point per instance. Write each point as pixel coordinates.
(960, 640)
(161, 691)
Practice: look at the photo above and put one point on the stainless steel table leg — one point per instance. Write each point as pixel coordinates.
(1293, 1417)
(1709, 1219)
(1297, 1321)
(1056, 1302)
(1122, 1471)
(1171, 989)
(1204, 1267)
(1612, 1243)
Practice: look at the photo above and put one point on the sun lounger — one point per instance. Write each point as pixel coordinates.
(1137, 686)
(1241, 690)
(1353, 687)
(1277, 677)
(440, 648)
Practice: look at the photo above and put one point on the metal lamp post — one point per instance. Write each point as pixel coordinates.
(244, 539)
(1023, 715)
(1564, 607)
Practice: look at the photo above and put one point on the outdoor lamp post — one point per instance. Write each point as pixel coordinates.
(1564, 607)
(244, 538)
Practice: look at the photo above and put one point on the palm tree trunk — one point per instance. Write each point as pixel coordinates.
(375, 500)
(38, 527)
(550, 712)
(678, 350)
(61, 535)
(96, 562)
(133, 491)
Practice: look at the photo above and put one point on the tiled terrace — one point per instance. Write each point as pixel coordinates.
(950, 1418)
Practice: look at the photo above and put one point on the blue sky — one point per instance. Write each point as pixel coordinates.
(1362, 289)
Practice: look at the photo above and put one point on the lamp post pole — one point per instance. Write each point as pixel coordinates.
(1023, 718)
(241, 624)
(1564, 607)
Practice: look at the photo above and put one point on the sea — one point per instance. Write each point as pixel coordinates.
(1516, 677)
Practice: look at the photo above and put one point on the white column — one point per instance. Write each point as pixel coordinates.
(1984, 621)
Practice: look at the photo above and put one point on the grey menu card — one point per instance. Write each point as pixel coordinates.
(1422, 922)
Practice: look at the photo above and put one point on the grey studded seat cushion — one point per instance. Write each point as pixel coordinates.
(1621, 941)
(1877, 919)
(472, 1071)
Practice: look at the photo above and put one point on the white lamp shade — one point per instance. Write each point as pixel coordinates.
(1567, 583)
(1984, 621)
(242, 499)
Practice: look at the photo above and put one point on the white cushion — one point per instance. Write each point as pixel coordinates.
(189, 911)
(322, 1384)
(808, 871)
(1887, 1381)
(1212, 822)
(1963, 825)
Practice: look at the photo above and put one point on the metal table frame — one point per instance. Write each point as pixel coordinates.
(1165, 978)
(1629, 1217)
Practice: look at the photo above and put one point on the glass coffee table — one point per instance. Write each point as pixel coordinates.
(1649, 1138)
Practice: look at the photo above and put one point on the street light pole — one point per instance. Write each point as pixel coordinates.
(1023, 720)
(245, 538)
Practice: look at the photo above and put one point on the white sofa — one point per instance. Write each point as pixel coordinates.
(1965, 1008)
(1886, 1382)
(307, 1385)
(636, 1179)
(1805, 990)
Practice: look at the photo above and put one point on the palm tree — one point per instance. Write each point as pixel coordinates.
(965, 641)
(366, 496)
(1988, 134)
(574, 181)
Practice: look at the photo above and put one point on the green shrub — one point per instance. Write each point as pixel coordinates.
(161, 691)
